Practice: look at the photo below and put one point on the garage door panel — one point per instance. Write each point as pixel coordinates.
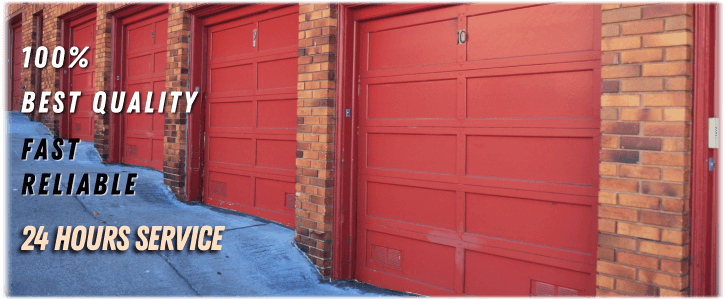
(161, 31)
(413, 45)
(232, 114)
(274, 33)
(545, 95)
(547, 223)
(275, 195)
(413, 204)
(141, 65)
(231, 79)
(539, 30)
(526, 61)
(487, 274)
(83, 36)
(138, 149)
(139, 36)
(81, 126)
(276, 153)
(220, 45)
(277, 74)
(562, 160)
(277, 113)
(422, 261)
(230, 188)
(159, 62)
(412, 152)
(555, 96)
(138, 122)
(242, 154)
(431, 99)
(84, 104)
(82, 81)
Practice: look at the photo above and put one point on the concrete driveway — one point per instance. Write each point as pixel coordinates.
(257, 257)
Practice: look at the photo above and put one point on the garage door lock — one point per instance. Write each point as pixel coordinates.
(462, 37)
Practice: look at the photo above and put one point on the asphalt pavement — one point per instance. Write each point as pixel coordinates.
(258, 257)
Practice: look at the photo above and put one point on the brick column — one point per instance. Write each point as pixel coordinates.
(177, 79)
(645, 157)
(103, 74)
(316, 122)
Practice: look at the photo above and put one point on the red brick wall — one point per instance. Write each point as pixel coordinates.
(316, 121)
(645, 157)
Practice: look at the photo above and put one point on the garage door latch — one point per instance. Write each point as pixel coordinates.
(254, 38)
(461, 37)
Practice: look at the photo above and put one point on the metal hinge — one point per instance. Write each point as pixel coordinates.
(349, 240)
(254, 38)
(152, 34)
(347, 113)
(710, 164)
(118, 77)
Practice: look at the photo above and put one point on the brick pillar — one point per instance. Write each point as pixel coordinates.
(645, 158)
(101, 131)
(177, 79)
(316, 121)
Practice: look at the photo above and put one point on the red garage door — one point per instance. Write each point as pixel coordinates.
(478, 161)
(251, 121)
(83, 34)
(145, 70)
(17, 66)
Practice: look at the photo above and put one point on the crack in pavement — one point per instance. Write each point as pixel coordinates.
(177, 272)
(243, 227)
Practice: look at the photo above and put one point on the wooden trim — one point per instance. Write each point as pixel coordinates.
(703, 182)
(195, 120)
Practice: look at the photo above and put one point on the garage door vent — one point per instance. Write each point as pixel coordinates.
(289, 200)
(546, 289)
(219, 188)
(386, 256)
(132, 150)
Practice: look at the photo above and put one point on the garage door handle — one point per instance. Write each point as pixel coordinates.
(254, 38)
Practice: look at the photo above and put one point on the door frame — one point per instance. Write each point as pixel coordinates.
(65, 77)
(37, 76)
(704, 183)
(119, 20)
(346, 142)
(196, 126)
(8, 25)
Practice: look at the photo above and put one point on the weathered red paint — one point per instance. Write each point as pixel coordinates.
(704, 202)
(121, 19)
(344, 241)
(477, 162)
(16, 62)
(79, 30)
(250, 93)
